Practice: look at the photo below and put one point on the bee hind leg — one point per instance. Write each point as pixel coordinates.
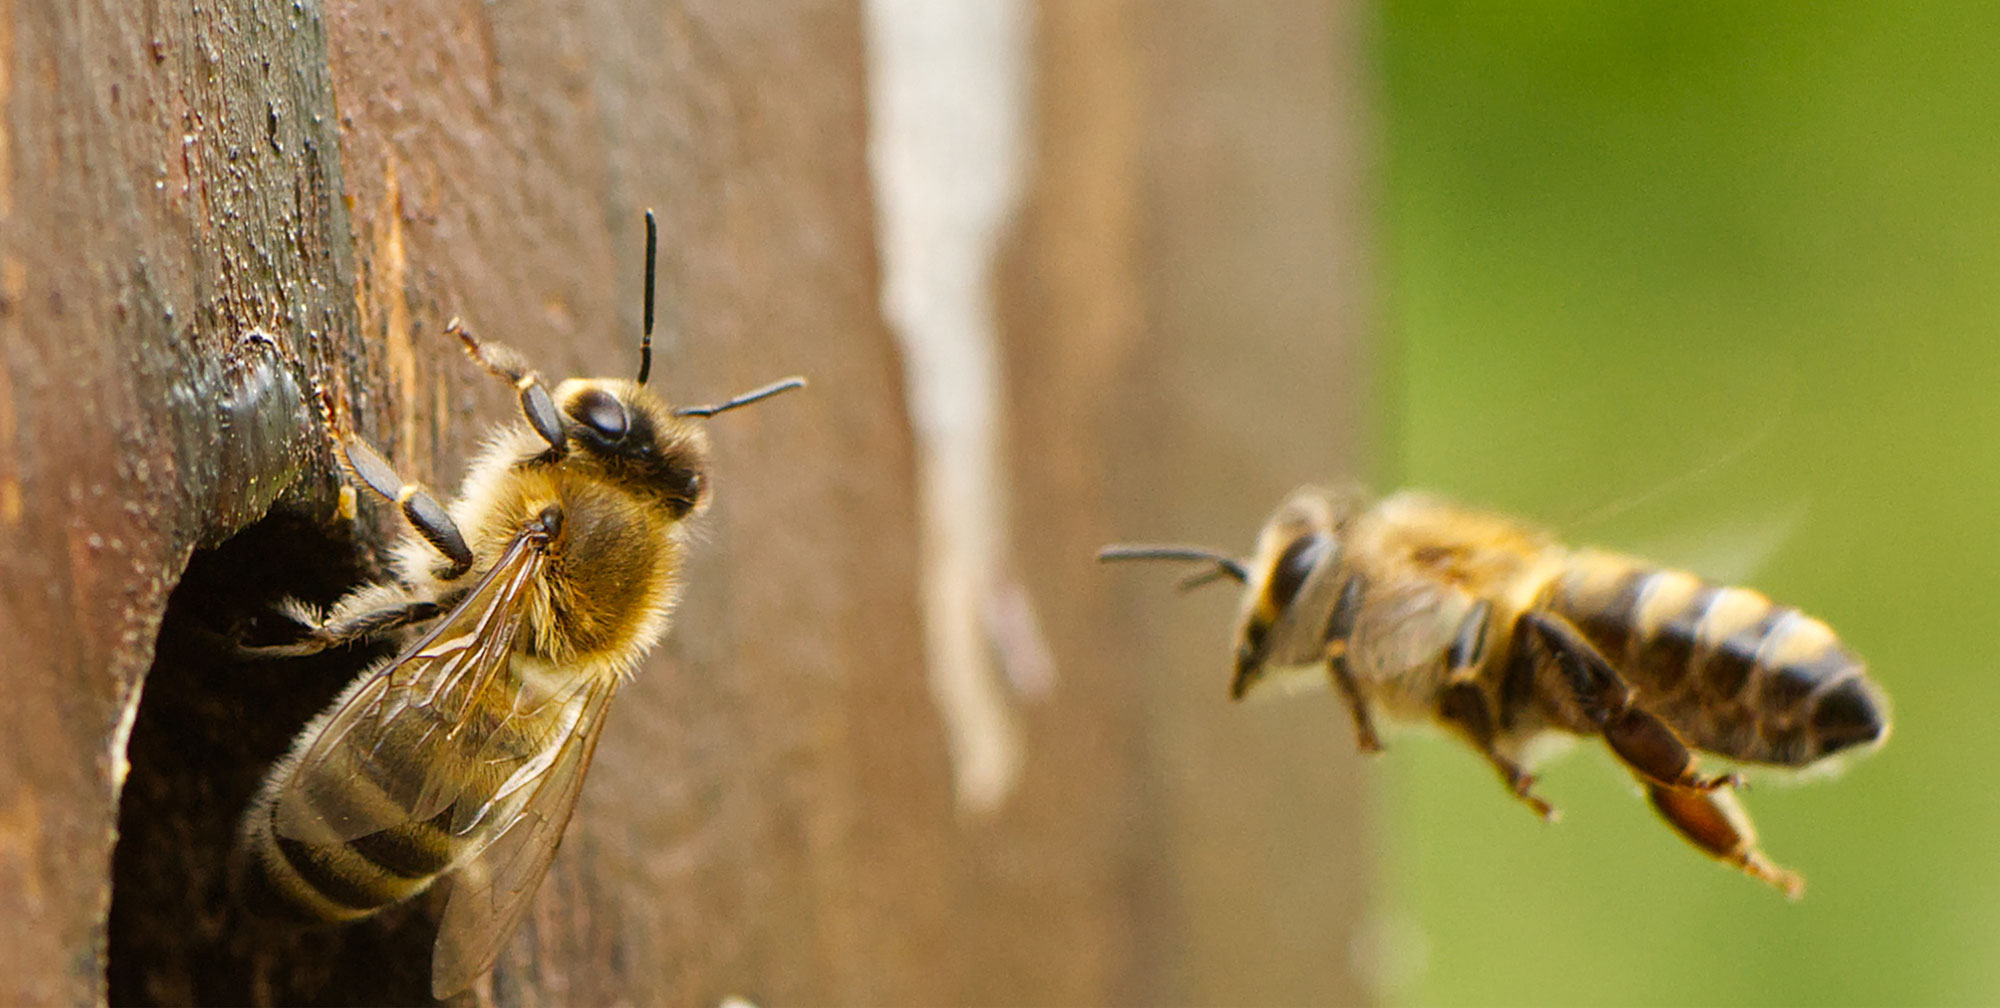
(1646, 744)
(362, 617)
(1715, 822)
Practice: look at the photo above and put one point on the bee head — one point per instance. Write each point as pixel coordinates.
(614, 429)
(633, 438)
(1268, 600)
(628, 435)
(1297, 541)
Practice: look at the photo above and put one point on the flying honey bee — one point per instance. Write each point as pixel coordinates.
(519, 609)
(1425, 612)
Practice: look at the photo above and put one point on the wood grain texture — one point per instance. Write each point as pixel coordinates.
(210, 209)
(168, 191)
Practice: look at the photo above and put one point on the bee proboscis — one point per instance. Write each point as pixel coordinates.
(1425, 612)
(518, 610)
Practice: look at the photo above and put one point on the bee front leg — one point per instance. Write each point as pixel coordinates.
(508, 365)
(1365, 736)
(1644, 742)
(420, 509)
(1714, 822)
(1465, 707)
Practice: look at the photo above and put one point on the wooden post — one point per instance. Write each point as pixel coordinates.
(1186, 345)
(210, 210)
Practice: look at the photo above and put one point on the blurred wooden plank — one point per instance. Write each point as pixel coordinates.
(1188, 343)
(1257, 276)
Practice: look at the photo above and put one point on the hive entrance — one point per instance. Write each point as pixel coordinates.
(208, 726)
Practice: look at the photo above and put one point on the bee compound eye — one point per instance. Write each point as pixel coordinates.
(601, 412)
(1294, 565)
(684, 488)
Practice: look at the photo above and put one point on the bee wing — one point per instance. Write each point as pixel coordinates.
(1405, 622)
(405, 743)
(491, 891)
(1726, 548)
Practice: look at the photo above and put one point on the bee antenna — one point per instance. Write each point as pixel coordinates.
(781, 385)
(1193, 581)
(1226, 566)
(652, 260)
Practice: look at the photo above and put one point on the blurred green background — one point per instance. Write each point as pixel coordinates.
(1719, 282)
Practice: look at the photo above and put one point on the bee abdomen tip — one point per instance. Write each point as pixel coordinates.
(1848, 715)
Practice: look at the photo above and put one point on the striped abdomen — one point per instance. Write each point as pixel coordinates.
(344, 881)
(332, 880)
(1733, 672)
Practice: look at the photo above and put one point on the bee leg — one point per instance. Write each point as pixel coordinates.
(1465, 707)
(1468, 649)
(1715, 822)
(1650, 746)
(1640, 739)
(420, 509)
(1365, 736)
(353, 622)
(507, 364)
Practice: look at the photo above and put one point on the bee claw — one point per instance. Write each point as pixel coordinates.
(1523, 785)
(1791, 883)
(1731, 781)
(1543, 810)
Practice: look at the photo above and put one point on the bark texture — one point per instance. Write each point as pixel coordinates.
(210, 210)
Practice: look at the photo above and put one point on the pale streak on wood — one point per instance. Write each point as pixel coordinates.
(390, 271)
(121, 735)
(948, 150)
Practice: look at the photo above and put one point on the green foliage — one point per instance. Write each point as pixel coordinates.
(1734, 260)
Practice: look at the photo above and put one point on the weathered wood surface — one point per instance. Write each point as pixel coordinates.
(209, 208)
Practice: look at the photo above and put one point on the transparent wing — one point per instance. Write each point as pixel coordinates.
(491, 891)
(1725, 548)
(406, 742)
(1405, 622)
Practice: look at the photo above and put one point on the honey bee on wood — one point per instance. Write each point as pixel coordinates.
(1423, 612)
(517, 609)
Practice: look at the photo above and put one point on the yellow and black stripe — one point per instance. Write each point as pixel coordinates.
(1732, 671)
(333, 880)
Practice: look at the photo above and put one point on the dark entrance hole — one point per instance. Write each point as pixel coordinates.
(208, 727)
